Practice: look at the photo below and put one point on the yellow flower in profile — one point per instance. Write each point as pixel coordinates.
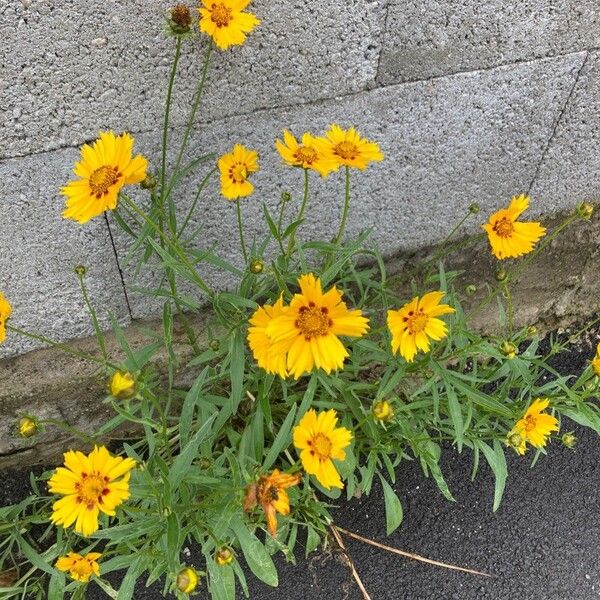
(320, 441)
(81, 568)
(105, 167)
(5, 312)
(508, 237)
(596, 361)
(310, 154)
(223, 556)
(269, 492)
(534, 427)
(187, 580)
(235, 167)
(225, 23)
(347, 148)
(122, 385)
(307, 331)
(267, 356)
(412, 325)
(89, 484)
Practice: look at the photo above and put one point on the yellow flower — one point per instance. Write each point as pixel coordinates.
(187, 580)
(28, 427)
(596, 361)
(89, 484)
(105, 167)
(347, 148)
(81, 568)
(223, 556)
(269, 492)
(224, 21)
(383, 411)
(508, 237)
(269, 356)
(5, 312)
(310, 154)
(320, 441)
(307, 331)
(122, 385)
(412, 325)
(534, 427)
(235, 168)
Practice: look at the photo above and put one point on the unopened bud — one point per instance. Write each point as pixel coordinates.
(223, 556)
(532, 330)
(181, 19)
(509, 349)
(383, 411)
(80, 270)
(470, 289)
(257, 266)
(516, 441)
(585, 210)
(501, 275)
(148, 183)
(122, 385)
(286, 196)
(474, 208)
(568, 440)
(214, 345)
(187, 580)
(28, 427)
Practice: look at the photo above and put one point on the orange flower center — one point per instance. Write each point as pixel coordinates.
(321, 445)
(102, 179)
(82, 567)
(313, 321)
(238, 173)
(220, 14)
(306, 155)
(91, 489)
(530, 423)
(346, 150)
(416, 321)
(504, 227)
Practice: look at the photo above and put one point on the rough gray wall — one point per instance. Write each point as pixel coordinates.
(470, 101)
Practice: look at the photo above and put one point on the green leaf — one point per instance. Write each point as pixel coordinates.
(282, 440)
(255, 553)
(312, 540)
(189, 404)
(497, 461)
(456, 416)
(56, 586)
(221, 580)
(34, 558)
(237, 368)
(393, 507)
(128, 584)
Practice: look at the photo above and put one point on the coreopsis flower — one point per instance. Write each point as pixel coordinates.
(508, 237)
(347, 148)
(122, 385)
(187, 580)
(415, 323)
(235, 168)
(5, 312)
(269, 356)
(307, 330)
(180, 20)
(105, 167)
(90, 484)
(596, 361)
(534, 427)
(311, 153)
(28, 427)
(269, 492)
(79, 567)
(383, 411)
(225, 22)
(319, 442)
(223, 556)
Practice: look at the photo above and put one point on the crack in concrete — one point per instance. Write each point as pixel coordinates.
(121, 275)
(557, 122)
(382, 42)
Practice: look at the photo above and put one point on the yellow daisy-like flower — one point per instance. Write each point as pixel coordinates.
(534, 427)
(81, 568)
(347, 148)
(89, 484)
(269, 492)
(596, 361)
(508, 237)
(235, 167)
(225, 23)
(412, 325)
(5, 312)
(105, 167)
(307, 331)
(310, 154)
(320, 441)
(269, 357)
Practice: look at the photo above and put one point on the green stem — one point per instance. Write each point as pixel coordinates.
(70, 429)
(279, 228)
(509, 305)
(195, 202)
(241, 230)
(91, 310)
(300, 216)
(342, 229)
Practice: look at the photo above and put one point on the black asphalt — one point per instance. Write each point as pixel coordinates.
(542, 544)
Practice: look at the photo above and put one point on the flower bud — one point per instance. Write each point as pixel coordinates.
(80, 270)
(223, 556)
(257, 266)
(585, 210)
(516, 441)
(509, 349)
(28, 427)
(383, 411)
(286, 196)
(470, 289)
(149, 182)
(532, 330)
(474, 208)
(187, 580)
(181, 19)
(122, 385)
(568, 440)
(501, 275)
(214, 345)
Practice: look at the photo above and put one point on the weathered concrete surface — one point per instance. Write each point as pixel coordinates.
(571, 168)
(429, 38)
(448, 142)
(39, 249)
(73, 67)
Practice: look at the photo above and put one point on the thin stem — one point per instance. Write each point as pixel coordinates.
(70, 429)
(509, 306)
(300, 216)
(241, 230)
(195, 202)
(92, 311)
(342, 229)
(279, 227)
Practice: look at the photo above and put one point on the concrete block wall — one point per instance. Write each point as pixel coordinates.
(469, 101)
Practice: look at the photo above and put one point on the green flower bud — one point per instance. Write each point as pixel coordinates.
(286, 196)
(80, 270)
(470, 289)
(501, 275)
(474, 208)
(214, 345)
(257, 266)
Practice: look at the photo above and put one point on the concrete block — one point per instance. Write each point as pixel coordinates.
(570, 172)
(39, 249)
(430, 38)
(71, 68)
(472, 137)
